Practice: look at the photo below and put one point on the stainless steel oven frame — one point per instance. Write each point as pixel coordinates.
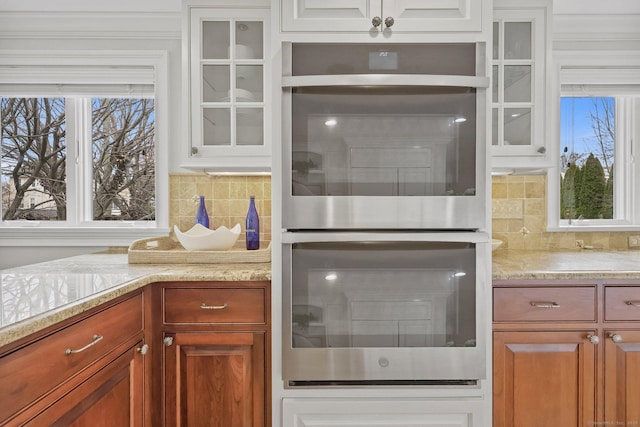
(391, 212)
(380, 366)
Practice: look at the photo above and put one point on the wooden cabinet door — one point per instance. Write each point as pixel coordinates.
(112, 396)
(215, 379)
(621, 375)
(543, 379)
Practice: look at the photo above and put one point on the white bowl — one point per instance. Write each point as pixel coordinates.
(200, 238)
(495, 244)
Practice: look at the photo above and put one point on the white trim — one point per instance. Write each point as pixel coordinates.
(106, 233)
(66, 236)
(89, 25)
(578, 67)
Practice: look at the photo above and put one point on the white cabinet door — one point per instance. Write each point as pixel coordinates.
(227, 71)
(358, 15)
(329, 15)
(433, 15)
(521, 43)
(401, 412)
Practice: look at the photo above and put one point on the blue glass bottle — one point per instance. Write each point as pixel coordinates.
(202, 217)
(252, 226)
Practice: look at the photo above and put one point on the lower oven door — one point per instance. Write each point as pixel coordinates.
(384, 307)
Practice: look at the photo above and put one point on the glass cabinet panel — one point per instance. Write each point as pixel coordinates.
(232, 83)
(517, 40)
(513, 83)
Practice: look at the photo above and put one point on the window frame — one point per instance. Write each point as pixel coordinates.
(601, 73)
(92, 68)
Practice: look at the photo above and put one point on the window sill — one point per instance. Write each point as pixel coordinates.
(593, 228)
(89, 236)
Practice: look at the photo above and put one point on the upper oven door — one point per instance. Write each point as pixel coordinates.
(383, 137)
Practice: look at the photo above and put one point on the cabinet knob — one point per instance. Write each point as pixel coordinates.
(388, 21)
(615, 338)
(376, 21)
(143, 349)
(168, 341)
(593, 339)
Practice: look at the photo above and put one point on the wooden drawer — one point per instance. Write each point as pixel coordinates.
(33, 371)
(622, 303)
(214, 305)
(529, 304)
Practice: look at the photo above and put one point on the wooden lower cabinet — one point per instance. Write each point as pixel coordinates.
(111, 397)
(215, 379)
(216, 355)
(622, 377)
(543, 379)
(86, 371)
(561, 364)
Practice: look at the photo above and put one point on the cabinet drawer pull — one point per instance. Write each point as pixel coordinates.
(213, 307)
(96, 339)
(593, 339)
(634, 303)
(545, 304)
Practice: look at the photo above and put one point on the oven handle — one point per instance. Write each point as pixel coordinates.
(385, 80)
(381, 236)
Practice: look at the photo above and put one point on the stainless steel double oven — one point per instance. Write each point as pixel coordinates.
(383, 197)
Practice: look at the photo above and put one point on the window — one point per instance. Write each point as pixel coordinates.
(35, 158)
(82, 152)
(595, 186)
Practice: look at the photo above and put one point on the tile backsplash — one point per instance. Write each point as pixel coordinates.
(519, 218)
(226, 199)
(519, 210)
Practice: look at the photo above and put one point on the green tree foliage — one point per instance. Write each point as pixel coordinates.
(568, 192)
(607, 207)
(591, 190)
(585, 192)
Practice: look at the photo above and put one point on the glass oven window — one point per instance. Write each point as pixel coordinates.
(383, 141)
(372, 294)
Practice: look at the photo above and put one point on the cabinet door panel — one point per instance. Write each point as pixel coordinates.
(543, 379)
(38, 368)
(216, 379)
(111, 397)
(621, 373)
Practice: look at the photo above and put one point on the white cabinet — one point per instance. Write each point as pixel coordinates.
(226, 72)
(324, 412)
(379, 15)
(521, 50)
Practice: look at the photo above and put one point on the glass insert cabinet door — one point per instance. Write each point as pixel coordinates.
(518, 84)
(227, 86)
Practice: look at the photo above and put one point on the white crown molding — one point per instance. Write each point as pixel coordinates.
(596, 28)
(90, 25)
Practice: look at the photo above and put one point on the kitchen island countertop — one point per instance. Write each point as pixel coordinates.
(36, 296)
(562, 264)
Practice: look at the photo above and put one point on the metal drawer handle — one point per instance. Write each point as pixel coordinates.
(213, 307)
(593, 339)
(545, 304)
(96, 339)
(633, 303)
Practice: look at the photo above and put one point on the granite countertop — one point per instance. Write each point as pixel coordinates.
(579, 264)
(36, 296)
